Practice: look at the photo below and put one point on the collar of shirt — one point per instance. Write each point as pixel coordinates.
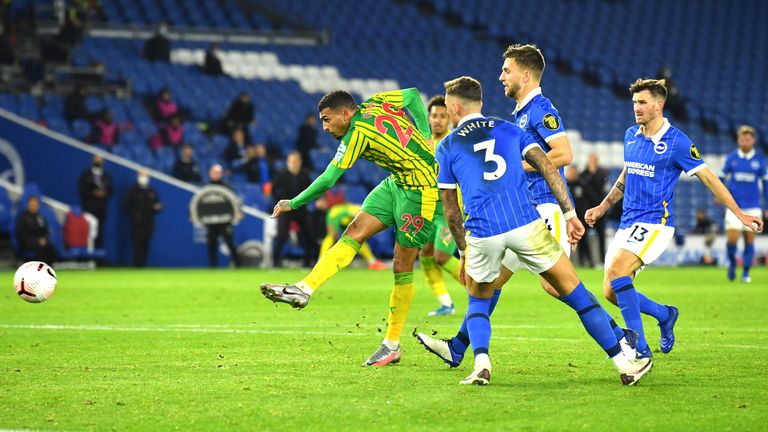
(532, 94)
(656, 138)
(745, 155)
(467, 118)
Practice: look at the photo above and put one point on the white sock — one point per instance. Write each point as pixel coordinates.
(482, 361)
(393, 345)
(304, 287)
(445, 300)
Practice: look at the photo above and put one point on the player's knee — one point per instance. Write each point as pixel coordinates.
(441, 257)
(481, 290)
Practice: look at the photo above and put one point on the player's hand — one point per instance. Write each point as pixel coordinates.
(575, 231)
(282, 206)
(754, 223)
(462, 271)
(593, 215)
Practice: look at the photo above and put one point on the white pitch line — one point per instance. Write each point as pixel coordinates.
(217, 328)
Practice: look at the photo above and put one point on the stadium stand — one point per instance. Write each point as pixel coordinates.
(421, 44)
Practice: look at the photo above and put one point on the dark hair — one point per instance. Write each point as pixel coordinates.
(336, 99)
(464, 87)
(528, 56)
(438, 100)
(657, 88)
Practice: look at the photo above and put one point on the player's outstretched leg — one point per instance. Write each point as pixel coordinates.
(563, 278)
(297, 295)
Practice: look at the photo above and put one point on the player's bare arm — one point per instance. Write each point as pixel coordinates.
(721, 193)
(539, 160)
(455, 220)
(614, 195)
(560, 154)
(453, 216)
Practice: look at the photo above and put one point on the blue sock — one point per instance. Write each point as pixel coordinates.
(460, 342)
(617, 330)
(593, 317)
(730, 250)
(749, 255)
(650, 307)
(479, 324)
(626, 296)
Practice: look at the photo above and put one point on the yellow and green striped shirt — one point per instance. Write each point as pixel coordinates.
(382, 132)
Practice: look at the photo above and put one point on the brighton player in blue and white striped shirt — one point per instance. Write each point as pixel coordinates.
(483, 156)
(742, 173)
(655, 154)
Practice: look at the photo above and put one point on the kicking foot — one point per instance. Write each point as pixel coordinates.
(290, 294)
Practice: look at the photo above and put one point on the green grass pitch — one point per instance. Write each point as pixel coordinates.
(203, 350)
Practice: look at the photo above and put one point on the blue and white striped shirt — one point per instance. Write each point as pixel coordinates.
(538, 116)
(742, 174)
(653, 167)
(484, 157)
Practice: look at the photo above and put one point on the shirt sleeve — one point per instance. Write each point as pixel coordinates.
(321, 185)
(351, 146)
(547, 123)
(527, 142)
(726, 170)
(445, 177)
(687, 157)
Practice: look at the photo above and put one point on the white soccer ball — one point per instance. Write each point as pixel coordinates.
(35, 281)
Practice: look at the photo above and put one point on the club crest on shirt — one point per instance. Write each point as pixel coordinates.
(660, 147)
(755, 165)
(551, 122)
(695, 152)
(523, 121)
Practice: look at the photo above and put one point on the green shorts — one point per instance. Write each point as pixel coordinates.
(411, 211)
(341, 215)
(443, 239)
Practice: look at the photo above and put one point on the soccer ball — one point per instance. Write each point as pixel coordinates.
(35, 281)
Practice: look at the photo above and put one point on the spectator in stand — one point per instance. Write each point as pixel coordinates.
(7, 49)
(704, 224)
(164, 108)
(32, 235)
(76, 229)
(594, 179)
(74, 105)
(576, 187)
(215, 174)
(235, 153)
(141, 203)
(288, 184)
(675, 101)
(158, 47)
(212, 64)
(169, 135)
(307, 140)
(240, 115)
(185, 168)
(104, 131)
(256, 167)
(95, 188)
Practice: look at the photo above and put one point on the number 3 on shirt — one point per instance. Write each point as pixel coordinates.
(490, 156)
(404, 136)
